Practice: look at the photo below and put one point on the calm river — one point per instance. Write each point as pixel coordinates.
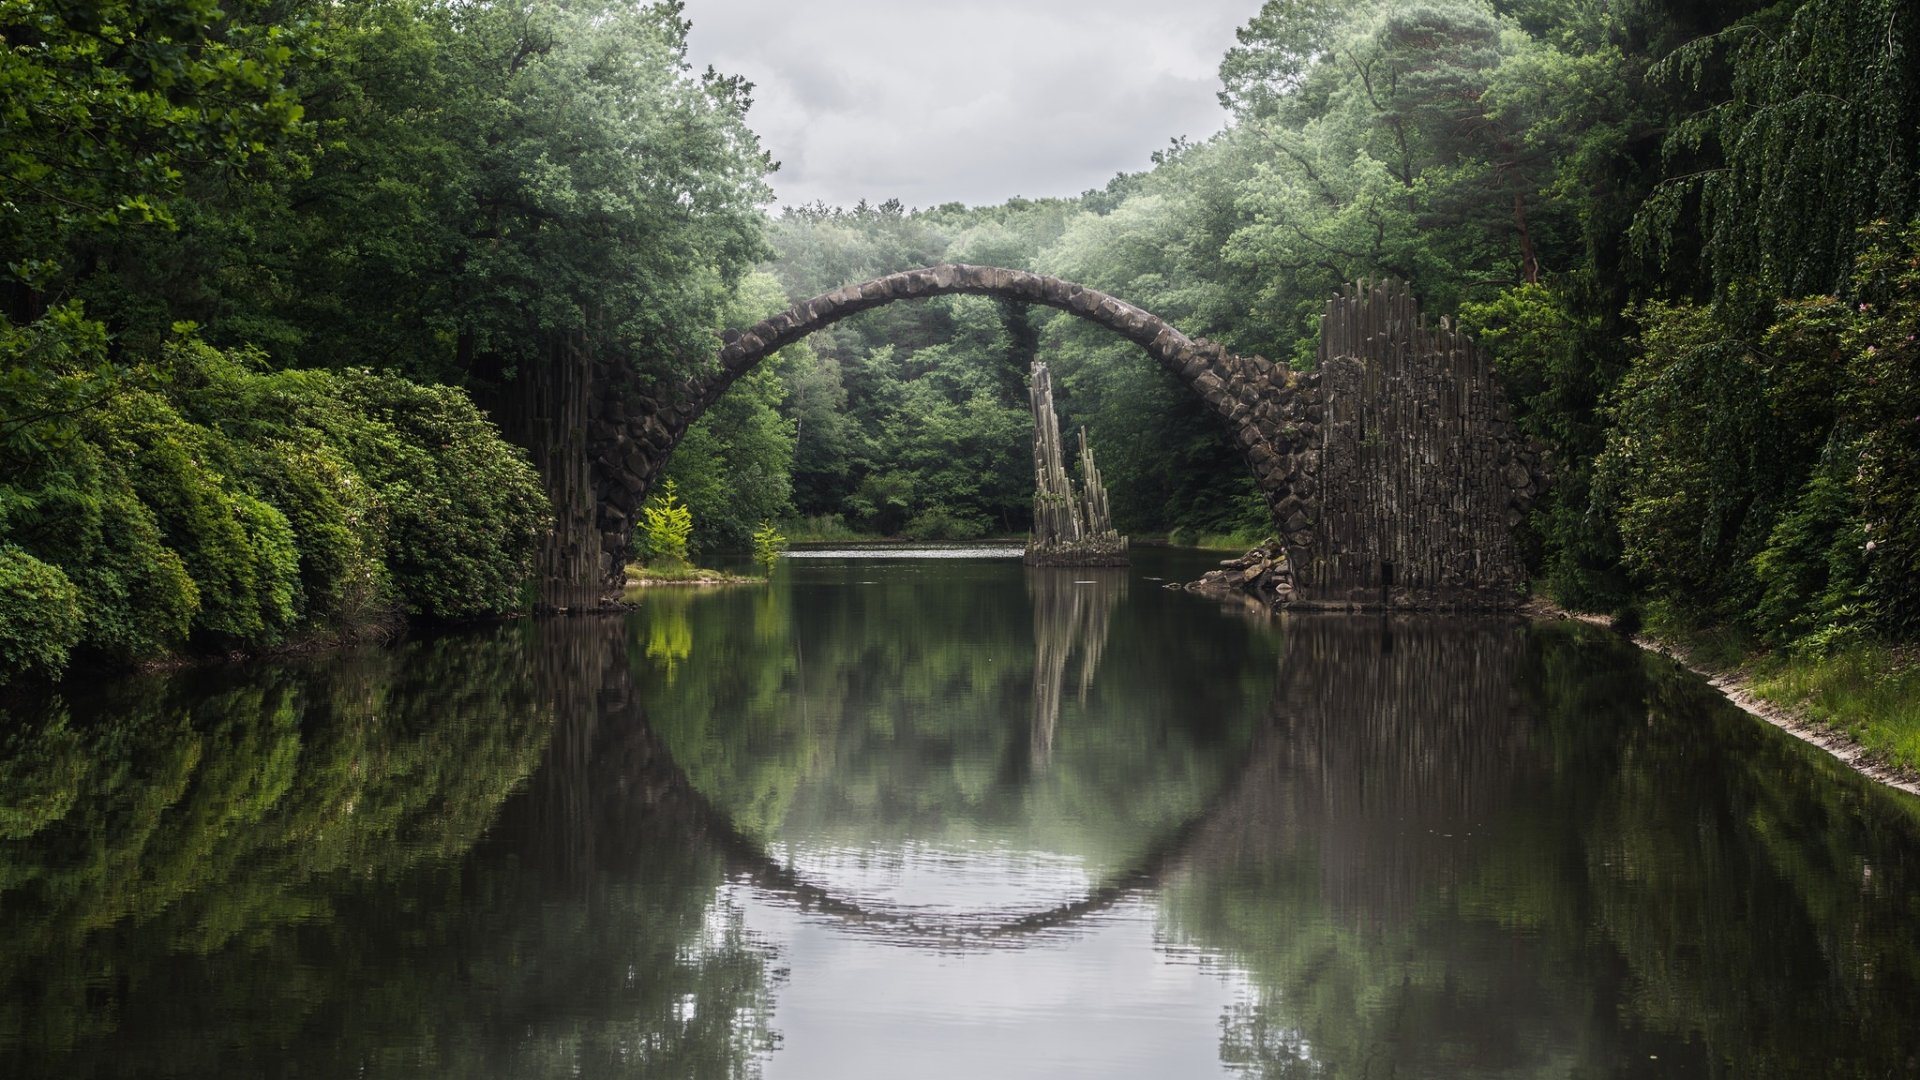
(931, 817)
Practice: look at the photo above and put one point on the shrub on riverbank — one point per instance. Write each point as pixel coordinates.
(198, 504)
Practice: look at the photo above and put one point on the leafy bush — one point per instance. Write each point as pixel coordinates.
(237, 549)
(1690, 473)
(40, 619)
(665, 526)
(339, 526)
(198, 502)
(1813, 569)
(140, 599)
(464, 509)
(767, 546)
(1771, 484)
(941, 523)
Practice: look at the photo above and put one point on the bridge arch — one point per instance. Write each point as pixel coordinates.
(1391, 473)
(1218, 377)
(1262, 403)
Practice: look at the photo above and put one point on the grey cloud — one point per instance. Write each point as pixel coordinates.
(971, 101)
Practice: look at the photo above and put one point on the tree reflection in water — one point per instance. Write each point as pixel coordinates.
(1524, 851)
(273, 872)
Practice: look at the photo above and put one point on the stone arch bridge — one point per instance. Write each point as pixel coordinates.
(1392, 472)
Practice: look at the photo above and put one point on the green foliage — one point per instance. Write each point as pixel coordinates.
(1538, 337)
(1771, 484)
(1858, 686)
(1237, 541)
(1814, 136)
(1688, 473)
(1844, 367)
(666, 524)
(234, 509)
(108, 104)
(767, 546)
(488, 195)
(1882, 344)
(1812, 570)
(515, 197)
(913, 408)
(939, 523)
(237, 550)
(734, 466)
(40, 618)
(140, 600)
(463, 510)
(485, 181)
(818, 528)
(1276, 49)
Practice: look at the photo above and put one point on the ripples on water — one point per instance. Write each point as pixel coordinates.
(970, 819)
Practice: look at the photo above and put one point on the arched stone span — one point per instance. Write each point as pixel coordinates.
(1210, 370)
(1409, 429)
(1253, 396)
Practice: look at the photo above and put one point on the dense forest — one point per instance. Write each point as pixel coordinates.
(271, 268)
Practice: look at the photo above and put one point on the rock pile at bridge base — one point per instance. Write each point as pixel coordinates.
(1265, 577)
(1263, 574)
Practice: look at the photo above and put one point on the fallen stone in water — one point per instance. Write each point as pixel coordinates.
(1263, 574)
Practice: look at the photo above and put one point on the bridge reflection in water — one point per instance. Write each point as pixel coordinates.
(1384, 740)
(1478, 847)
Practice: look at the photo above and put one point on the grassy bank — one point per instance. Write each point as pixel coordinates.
(1871, 692)
(1237, 541)
(641, 577)
(1867, 690)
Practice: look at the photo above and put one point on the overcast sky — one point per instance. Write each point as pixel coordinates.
(974, 101)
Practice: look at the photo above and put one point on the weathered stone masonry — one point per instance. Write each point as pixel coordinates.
(1419, 474)
(1392, 473)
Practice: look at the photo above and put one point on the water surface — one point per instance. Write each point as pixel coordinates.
(948, 817)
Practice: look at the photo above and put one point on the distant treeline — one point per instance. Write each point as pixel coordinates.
(242, 240)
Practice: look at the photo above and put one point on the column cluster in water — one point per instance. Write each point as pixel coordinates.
(1071, 523)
